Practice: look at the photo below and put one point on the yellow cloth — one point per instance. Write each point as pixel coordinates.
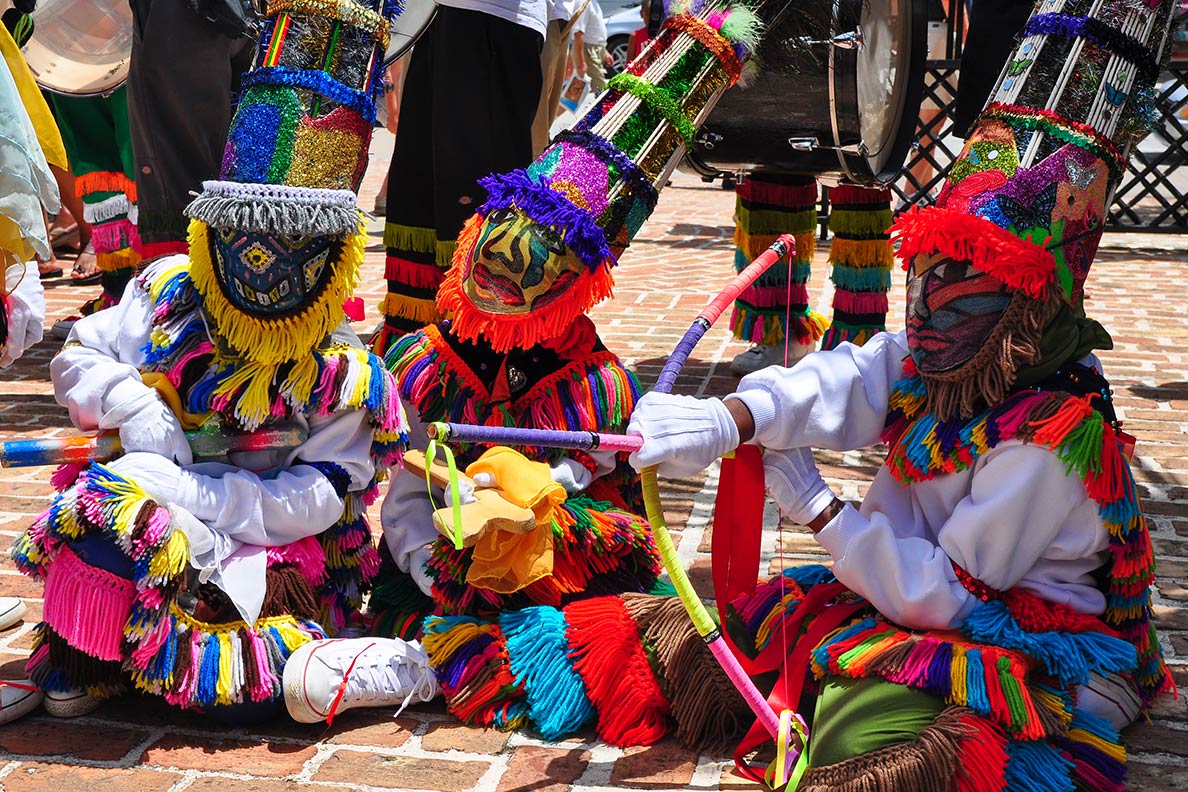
(507, 562)
(43, 120)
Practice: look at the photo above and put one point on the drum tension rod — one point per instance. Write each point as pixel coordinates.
(809, 143)
(851, 40)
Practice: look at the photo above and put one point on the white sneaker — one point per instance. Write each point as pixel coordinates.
(760, 356)
(18, 697)
(71, 703)
(324, 678)
(11, 611)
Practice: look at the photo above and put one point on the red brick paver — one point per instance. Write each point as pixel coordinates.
(682, 255)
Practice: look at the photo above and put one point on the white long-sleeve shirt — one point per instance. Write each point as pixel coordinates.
(1016, 517)
(260, 498)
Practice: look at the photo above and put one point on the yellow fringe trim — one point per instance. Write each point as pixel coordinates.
(411, 308)
(267, 342)
(774, 221)
(445, 252)
(117, 260)
(861, 253)
(412, 238)
(753, 245)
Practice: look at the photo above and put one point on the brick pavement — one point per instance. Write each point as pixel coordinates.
(681, 256)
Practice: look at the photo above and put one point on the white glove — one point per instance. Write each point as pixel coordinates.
(26, 311)
(572, 475)
(681, 434)
(795, 483)
(465, 491)
(146, 423)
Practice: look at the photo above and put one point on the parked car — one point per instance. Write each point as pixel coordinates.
(620, 24)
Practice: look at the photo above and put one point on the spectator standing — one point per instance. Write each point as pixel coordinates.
(184, 69)
(590, 57)
(553, 58)
(469, 97)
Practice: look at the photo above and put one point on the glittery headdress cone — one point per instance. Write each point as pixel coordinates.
(276, 242)
(540, 250)
(1026, 200)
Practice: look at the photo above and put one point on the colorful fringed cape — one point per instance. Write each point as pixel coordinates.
(1014, 666)
(601, 544)
(167, 650)
(633, 665)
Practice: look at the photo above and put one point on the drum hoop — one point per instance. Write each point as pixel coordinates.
(858, 168)
(396, 52)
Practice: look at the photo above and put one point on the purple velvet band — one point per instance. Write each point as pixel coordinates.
(518, 190)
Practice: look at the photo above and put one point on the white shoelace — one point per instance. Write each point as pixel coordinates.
(375, 678)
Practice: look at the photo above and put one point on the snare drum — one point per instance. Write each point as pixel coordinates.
(837, 94)
(80, 47)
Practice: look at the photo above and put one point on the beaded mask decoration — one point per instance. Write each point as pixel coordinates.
(540, 250)
(277, 240)
(1025, 202)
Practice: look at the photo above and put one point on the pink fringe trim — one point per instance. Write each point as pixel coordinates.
(306, 554)
(87, 606)
(860, 302)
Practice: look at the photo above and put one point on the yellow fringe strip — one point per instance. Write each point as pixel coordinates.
(272, 341)
(411, 308)
(860, 253)
(117, 260)
(753, 245)
(411, 238)
(445, 252)
(774, 221)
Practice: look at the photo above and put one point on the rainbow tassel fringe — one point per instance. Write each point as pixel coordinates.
(861, 260)
(633, 664)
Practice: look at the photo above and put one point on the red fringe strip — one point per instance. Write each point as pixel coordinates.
(411, 273)
(754, 188)
(152, 250)
(1018, 263)
(605, 648)
(983, 757)
(851, 194)
(1036, 615)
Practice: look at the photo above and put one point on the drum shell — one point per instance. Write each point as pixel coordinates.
(800, 94)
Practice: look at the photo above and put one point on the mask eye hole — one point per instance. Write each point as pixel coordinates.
(500, 216)
(551, 240)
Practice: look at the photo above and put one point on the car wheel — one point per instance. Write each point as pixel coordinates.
(617, 47)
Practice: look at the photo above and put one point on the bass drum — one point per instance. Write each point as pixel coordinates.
(412, 22)
(837, 93)
(80, 47)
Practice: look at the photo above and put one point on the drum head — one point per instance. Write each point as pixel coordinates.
(409, 26)
(80, 47)
(885, 80)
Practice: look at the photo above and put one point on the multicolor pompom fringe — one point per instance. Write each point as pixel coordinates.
(634, 665)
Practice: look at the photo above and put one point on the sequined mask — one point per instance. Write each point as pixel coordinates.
(269, 275)
(952, 309)
(518, 266)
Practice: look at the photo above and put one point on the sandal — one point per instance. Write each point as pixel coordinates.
(49, 269)
(64, 237)
(86, 268)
